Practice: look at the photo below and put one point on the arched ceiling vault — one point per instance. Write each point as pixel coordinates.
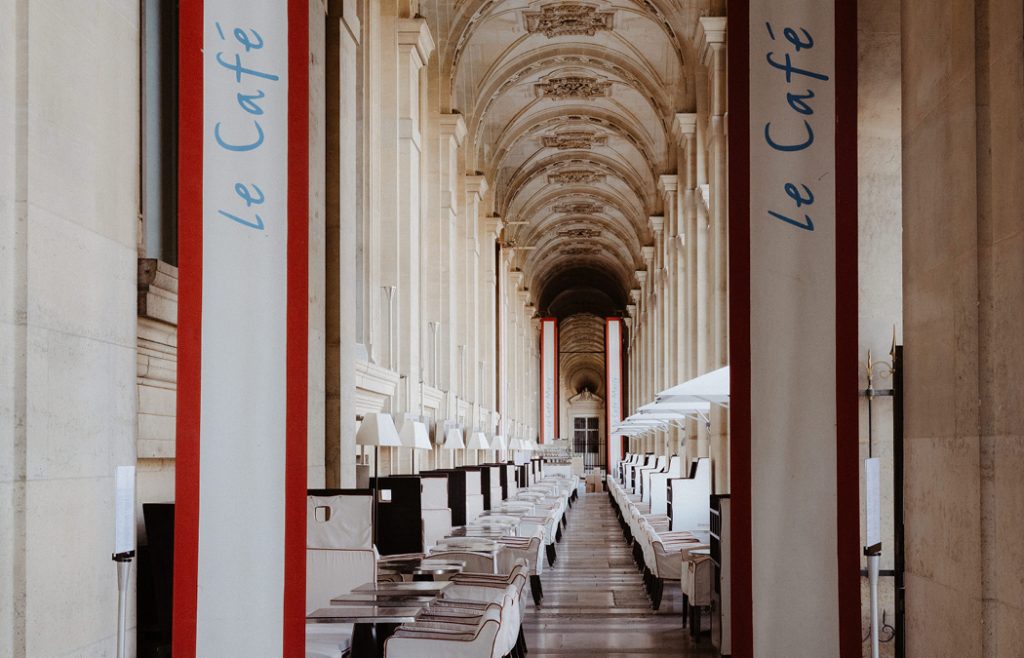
(569, 107)
(581, 352)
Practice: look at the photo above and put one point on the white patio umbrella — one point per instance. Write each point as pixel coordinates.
(711, 387)
(693, 408)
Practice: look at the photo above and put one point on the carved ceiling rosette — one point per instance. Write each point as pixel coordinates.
(568, 19)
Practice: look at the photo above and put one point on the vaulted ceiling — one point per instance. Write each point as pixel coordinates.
(569, 108)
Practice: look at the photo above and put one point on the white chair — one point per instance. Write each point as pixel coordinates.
(339, 557)
(477, 637)
(434, 510)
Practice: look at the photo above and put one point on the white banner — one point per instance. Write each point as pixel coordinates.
(792, 327)
(244, 276)
(549, 379)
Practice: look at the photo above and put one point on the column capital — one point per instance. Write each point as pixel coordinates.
(517, 278)
(631, 310)
(657, 223)
(668, 183)
(710, 36)
(452, 126)
(634, 294)
(684, 126)
(415, 33)
(641, 276)
(705, 195)
(647, 253)
(476, 184)
(493, 226)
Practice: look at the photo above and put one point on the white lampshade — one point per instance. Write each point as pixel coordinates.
(515, 444)
(478, 441)
(498, 442)
(378, 430)
(453, 439)
(414, 435)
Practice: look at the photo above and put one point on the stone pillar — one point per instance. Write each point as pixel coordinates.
(650, 333)
(489, 328)
(686, 125)
(69, 352)
(414, 47)
(476, 187)
(963, 258)
(441, 253)
(343, 31)
(711, 43)
(711, 38)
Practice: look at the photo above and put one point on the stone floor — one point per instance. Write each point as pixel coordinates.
(594, 600)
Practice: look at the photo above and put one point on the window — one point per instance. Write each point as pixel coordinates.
(588, 442)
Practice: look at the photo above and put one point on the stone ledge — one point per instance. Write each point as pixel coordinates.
(158, 291)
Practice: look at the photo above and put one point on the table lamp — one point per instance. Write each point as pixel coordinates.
(377, 429)
(414, 435)
(477, 441)
(498, 446)
(453, 441)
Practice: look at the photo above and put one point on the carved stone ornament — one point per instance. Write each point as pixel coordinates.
(567, 19)
(575, 139)
(585, 395)
(578, 207)
(576, 177)
(573, 86)
(580, 233)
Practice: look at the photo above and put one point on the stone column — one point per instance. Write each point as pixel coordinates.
(414, 47)
(489, 328)
(440, 255)
(669, 186)
(342, 217)
(712, 39)
(476, 187)
(963, 259)
(631, 326)
(686, 125)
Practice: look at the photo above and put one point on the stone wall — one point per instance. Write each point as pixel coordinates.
(69, 112)
(964, 286)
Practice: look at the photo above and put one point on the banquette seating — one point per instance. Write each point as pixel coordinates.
(665, 517)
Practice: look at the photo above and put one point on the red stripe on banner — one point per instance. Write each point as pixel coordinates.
(739, 328)
(555, 424)
(543, 424)
(298, 331)
(847, 368)
(190, 324)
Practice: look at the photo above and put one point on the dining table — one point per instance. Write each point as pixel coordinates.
(372, 624)
(422, 569)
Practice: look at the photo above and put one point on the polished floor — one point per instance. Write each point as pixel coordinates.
(594, 601)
